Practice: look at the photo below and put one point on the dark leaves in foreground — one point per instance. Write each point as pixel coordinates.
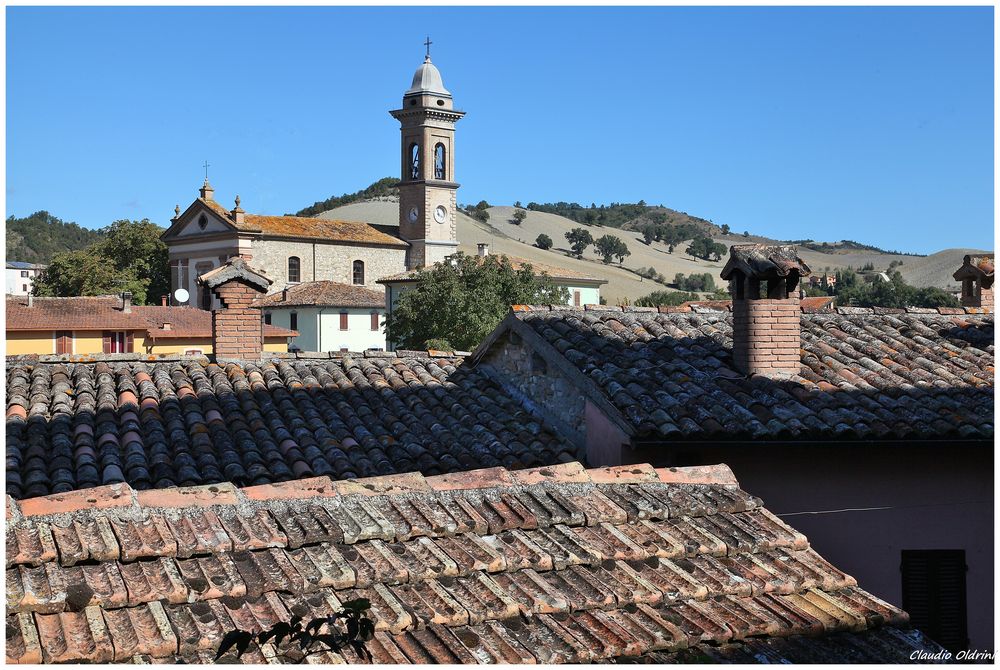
(350, 626)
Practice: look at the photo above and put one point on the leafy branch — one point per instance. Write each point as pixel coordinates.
(348, 627)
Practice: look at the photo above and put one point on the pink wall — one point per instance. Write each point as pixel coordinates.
(604, 439)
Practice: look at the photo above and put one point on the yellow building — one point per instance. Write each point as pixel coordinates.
(110, 324)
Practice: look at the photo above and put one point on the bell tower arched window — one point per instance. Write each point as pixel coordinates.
(359, 272)
(414, 161)
(294, 269)
(439, 161)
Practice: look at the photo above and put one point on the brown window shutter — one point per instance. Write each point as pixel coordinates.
(343, 320)
(107, 342)
(374, 320)
(576, 298)
(128, 342)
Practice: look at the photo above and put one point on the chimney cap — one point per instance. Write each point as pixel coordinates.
(765, 261)
(235, 268)
(976, 266)
(483, 248)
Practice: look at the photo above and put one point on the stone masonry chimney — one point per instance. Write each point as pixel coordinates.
(763, 281)
(127, 302)
(484, 249)
(237, 329)
(976, 275)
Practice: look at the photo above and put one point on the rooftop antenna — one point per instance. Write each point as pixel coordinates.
(428, 44)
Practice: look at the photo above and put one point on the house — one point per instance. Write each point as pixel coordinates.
(329, 316)
(112, 325)
(862, 423)
(292, 250)
(582, 289)
(548, 565)
(21, 276)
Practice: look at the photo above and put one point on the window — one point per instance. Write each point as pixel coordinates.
(294, 269)
(24, 287)
(414, 161)
(293, 321)
(374, 320)
(64, 342)
(439, 171)
(359, 272)
(117, 342)
(576, 298)
(934, 595)
(24, 273)
(267, 318)
(343, 320)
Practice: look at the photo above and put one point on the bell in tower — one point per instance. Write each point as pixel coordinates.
(427, 192)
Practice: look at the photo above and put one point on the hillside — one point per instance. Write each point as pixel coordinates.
(378, 204)
(35, 238)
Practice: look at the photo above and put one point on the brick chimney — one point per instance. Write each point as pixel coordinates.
(484, 249)
(237, 329)
(976, 275)
(763, 281)
(127, 302)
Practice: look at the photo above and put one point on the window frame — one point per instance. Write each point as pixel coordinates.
(298, 270)
(293, 320)
(344, 321)
(355, 266)
(925, 575)
(441, 173)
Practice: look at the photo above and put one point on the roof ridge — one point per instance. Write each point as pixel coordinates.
(687, 307)
(126, 499)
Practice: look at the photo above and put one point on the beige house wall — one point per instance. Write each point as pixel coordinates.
(42, 342)
(332, 261)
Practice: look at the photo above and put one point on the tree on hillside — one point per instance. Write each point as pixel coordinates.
(579, 239)
(893, 293)
(38, 237)
(705, 249)
(130, 257)
(725, 229)
(609, 246)
(519, 216)
(462, 302)
(387, 186)
(480, 212)
(543, 241)
(665, 299)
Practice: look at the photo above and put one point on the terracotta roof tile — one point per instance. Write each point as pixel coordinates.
(324, 293)
(863, 375)
(710, 572)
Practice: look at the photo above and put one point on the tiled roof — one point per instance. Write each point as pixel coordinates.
(764, 261)
(105, 313)
(517, 262)
(866, 374)
(807, 304)
(22, 265)
(298, 226)
(324, 293)
(187, 422)
(552, 565)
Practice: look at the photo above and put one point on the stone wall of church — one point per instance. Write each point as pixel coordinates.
(333, 261)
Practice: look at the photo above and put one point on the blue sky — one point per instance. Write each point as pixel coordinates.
(874, 124)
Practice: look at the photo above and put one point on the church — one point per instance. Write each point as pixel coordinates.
(348, 257)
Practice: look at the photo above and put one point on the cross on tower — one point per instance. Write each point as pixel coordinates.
(206, 170)
(428, 44)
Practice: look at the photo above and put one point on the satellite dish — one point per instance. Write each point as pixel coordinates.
(181, 295)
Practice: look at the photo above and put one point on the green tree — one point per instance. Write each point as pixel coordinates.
(519, 216)
(130, 257)
(648, 233)
(462, 302)
(543, 241)
(706, 249)
(665, 299)
(579, 239)
(746, 233)
(725, 229)
(38, 237)
(610, 246)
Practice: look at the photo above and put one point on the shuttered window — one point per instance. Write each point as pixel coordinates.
(118, 342)
(374, 320)
(343, 320)
(934, 595)
(64, 342)
(576, 298)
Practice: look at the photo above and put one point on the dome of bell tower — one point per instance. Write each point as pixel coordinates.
(427, 80)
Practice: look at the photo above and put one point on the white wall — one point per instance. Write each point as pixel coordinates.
(16, 283)
(319, 328)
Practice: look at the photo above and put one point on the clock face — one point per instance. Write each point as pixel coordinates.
(413, 214)
(440, 213)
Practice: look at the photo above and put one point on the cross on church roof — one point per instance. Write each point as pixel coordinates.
(206, 170)
(428, 44)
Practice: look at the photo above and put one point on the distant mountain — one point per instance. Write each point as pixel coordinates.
(35, 238)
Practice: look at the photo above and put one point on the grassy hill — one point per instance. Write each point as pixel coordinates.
(625, 221)
(35, 238)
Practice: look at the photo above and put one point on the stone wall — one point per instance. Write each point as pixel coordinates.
(333, 261)
(539, 386)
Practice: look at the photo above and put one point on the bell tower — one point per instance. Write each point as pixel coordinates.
(427, 193)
